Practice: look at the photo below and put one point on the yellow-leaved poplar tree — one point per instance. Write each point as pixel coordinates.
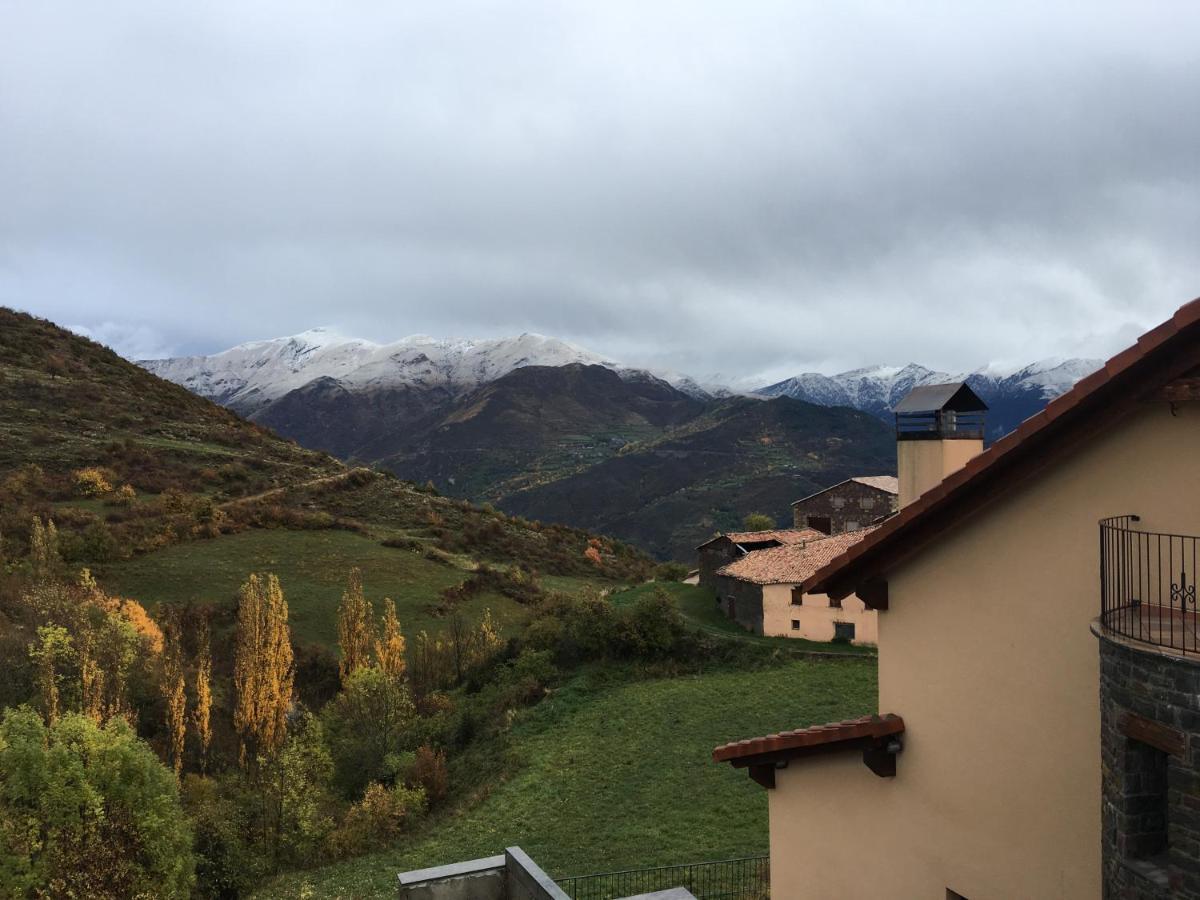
(174, 696)
(203, 711)
(389, 645)
(262, 669)
(43, 548)
(354, 627)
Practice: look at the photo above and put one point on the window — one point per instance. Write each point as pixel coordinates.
(843, 632)
(797, 597)
(795, 624)
(819, 523)
(837, 502)
(1145, 798)
(867, 502)
(835, 604)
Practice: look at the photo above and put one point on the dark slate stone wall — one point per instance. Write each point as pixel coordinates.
(718, 554)
(741, 601)
(843, 504)
(1165, 691)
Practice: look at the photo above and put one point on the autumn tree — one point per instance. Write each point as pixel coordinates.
(174, 696)
(354, 627)
(389, 645)
(262, 673)
(758, 522)
(202, 715)
(52, 649)
(43, 548)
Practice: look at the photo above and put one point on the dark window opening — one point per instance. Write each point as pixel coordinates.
(1145, 801)
(843, 631)
(820, 523)
(797, 597)
(795, 624)
(835, 603)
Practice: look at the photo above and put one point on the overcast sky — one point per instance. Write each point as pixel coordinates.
(741, 187)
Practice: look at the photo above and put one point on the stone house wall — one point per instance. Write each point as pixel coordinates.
(1150, 770)
(847, 507)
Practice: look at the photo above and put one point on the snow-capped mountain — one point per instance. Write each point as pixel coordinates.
(252, 375)
(1011, 394)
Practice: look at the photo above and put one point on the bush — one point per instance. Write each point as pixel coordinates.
(428, 772)
(377, 819)
(670, 571)
(88, 811)
(368, 722)
(91, 482)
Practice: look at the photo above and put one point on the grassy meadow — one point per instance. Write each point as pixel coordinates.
(614, 772)
(312, 567)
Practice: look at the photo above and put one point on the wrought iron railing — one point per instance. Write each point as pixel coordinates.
(747, 878)
(1148, 585)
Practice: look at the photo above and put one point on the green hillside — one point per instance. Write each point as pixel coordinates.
(615, 773)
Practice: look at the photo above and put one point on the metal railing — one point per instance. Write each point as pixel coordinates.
(1148, 585)
(747, 878)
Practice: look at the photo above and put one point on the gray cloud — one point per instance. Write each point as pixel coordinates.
(716, 187)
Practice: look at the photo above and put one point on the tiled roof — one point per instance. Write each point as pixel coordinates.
(783, 536)
(889, 483)
(791, 564)
(816, 737)
(1160, 355)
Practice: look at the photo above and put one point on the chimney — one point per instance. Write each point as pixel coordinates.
(938, 428)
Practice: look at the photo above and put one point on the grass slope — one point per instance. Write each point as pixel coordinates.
(312, 566)
(618, 774)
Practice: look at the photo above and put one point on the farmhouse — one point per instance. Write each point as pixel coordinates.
(761, 591)
(725, 548)
(1038, 733)
(848, 505)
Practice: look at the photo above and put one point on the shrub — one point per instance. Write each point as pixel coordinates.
(91, 482)
(428, 772)
(366, 723)
(88, 811)
(377, 819)
(670, 571)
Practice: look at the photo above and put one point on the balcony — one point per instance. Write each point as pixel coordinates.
(1148, 586)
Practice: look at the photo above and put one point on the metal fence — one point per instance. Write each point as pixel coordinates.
(1148, 585)
(747, 878)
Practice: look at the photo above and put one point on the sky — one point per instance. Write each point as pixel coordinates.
(749, 189)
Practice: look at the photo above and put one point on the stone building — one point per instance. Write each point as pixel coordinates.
(761, 592)
(1038, 725)
(849, 505)
(725, 548)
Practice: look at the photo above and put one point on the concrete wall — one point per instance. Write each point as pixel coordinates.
(922, 464)
(815, 615)
(987, 654)
(476, 879)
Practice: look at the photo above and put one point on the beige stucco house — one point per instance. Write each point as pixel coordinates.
(1038, 732)
(761, 590)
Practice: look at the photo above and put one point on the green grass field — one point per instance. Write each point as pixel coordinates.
(699, 607)
(312, 567)
(616, 773)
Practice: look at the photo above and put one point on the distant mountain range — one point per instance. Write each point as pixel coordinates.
(552, 431)
(1012, 395)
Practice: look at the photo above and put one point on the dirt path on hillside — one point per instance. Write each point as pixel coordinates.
(262, 495)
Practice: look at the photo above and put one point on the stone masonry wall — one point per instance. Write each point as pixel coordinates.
(843, 505)
(1150, 763)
